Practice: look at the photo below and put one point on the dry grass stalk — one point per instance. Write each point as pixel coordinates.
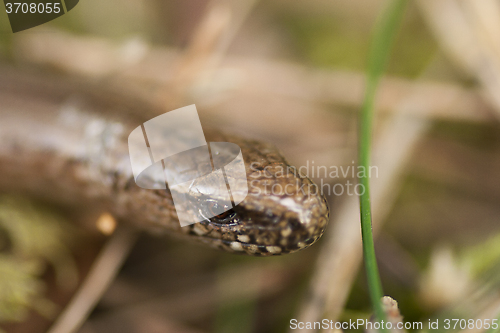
(465, 39)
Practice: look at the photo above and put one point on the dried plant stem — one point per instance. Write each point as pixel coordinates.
(466, 38)
(102, 273)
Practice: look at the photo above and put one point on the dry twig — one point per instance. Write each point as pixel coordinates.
(468, 40)
(101, 275)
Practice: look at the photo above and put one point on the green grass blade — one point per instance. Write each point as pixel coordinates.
(384, 33)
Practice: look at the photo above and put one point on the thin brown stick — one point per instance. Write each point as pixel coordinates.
(460, 37)
(208, 45)
(97, 281)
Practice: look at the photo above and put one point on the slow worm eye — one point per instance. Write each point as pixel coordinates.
(213, 208)
(223, 215)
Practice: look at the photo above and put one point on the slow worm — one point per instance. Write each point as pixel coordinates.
(66, 141)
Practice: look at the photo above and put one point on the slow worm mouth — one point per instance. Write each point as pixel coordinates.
(252, 248)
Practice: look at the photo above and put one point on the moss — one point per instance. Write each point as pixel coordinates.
(32, 237)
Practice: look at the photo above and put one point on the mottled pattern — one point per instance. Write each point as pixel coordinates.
(73, 149)
(283, 212)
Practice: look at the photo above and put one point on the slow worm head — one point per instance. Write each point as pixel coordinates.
(67, 141)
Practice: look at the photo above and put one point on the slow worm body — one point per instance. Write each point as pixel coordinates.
(67, 142)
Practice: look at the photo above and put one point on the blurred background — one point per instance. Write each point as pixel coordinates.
(290, 73)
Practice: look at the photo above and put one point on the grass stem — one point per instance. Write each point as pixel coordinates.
(384, 33)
